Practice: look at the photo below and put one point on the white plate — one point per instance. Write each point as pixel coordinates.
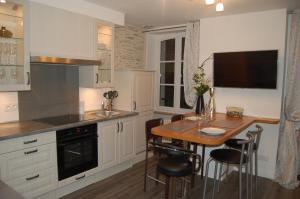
(194, 118)
(212, 131)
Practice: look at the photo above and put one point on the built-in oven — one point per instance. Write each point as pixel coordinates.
(77, 150)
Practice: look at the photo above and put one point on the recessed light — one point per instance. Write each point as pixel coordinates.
(220, 7)
(2, 1)
(209, 2)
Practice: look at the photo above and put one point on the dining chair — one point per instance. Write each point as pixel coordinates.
(175, 118)
(233, 143)
(176, 164)
(241, 158)
(150, 137)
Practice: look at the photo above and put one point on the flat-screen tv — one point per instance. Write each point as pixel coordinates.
(249, 69)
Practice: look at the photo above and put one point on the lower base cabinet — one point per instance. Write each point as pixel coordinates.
(116, 142)
(30, 169)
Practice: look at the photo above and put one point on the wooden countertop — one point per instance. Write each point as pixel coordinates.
(188, 130)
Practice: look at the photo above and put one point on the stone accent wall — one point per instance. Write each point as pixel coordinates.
(129, 47)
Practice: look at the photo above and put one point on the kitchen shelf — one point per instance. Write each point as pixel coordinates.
(11, 15)
(8, 65)
(12, 38)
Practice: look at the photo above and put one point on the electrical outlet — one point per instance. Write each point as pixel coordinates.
(11, 107)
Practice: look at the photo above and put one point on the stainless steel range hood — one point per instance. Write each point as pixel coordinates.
(62, 61)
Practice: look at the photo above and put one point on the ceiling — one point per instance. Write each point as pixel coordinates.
(172, 12)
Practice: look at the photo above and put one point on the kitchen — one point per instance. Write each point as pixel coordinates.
(77, 84)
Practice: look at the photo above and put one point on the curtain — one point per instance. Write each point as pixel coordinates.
(191, 61)
(288, 155)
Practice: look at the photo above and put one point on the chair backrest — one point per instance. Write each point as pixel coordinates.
(247, 145)
(175, 118)
(258, 136)
(151, 124)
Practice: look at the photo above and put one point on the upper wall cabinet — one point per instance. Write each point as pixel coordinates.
(14, 46)
(100, 76)
(59, 33)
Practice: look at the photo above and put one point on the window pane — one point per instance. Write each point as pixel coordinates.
(181, 77)
(182, 48)
(166, 97)
(167, 73)
(182, 99)
(167, 50)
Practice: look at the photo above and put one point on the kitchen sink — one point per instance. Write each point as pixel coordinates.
(107, 113)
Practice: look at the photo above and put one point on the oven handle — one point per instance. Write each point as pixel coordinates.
(61, 142)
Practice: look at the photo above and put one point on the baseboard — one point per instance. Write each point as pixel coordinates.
(139, 157)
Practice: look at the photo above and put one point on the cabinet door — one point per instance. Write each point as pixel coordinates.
(140, 135)
(14, 48)
(143, 91)
(126, 137)
(107, 144)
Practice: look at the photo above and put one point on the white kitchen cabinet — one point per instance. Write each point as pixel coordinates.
(29, 164)
(140, 135)
(60, 33)
(103, 75)
(108, 146)
(14, 48)
(126, 139)
(135, 89)
(116, 142)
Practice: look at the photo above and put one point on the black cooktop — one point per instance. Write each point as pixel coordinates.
(66, 119)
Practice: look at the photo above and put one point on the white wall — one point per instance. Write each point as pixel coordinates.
(88, 9)
(92, 98)
(245, 32)
(6, 99)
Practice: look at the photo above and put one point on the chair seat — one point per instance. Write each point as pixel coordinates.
(175, 167)
(229, 156)
(233, 143)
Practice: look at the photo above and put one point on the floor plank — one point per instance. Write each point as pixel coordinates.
(129, 185)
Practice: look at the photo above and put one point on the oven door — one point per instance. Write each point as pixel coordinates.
(76, 156)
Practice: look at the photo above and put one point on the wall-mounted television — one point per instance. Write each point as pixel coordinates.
(248, 69)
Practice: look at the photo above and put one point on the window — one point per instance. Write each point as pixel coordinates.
(171, 89)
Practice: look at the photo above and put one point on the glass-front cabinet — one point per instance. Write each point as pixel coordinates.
(105, 53)
(14, 51)
(102, 75)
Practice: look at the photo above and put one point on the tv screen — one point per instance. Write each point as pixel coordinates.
(249, 69)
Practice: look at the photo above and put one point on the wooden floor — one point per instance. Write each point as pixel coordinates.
(129, 185)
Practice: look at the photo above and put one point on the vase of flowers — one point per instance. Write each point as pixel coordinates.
(201, 86)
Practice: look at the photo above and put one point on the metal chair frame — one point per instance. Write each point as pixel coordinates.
(244, 153)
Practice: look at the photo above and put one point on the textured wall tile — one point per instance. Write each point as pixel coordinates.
(129, 47)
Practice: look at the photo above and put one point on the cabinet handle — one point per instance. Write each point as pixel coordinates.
(97, 78)
(28, 78)
(33, 177)
(29, 152)
(78, 178)
(134, 105)
(118, 127)
(121, 126)
(30, 141)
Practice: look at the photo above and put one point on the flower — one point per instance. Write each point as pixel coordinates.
(201, 83)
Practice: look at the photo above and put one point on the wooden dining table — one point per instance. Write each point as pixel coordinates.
(189, 129)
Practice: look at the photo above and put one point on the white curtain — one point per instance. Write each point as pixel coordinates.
(288, 155)
(191, 60)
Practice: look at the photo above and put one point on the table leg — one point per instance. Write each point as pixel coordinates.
(194, 164)
(203, 157)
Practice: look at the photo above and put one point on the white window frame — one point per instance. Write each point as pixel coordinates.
(177, 84)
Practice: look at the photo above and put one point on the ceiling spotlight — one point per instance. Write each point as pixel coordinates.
(2, 1)
(220, 7)
(209, 2)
